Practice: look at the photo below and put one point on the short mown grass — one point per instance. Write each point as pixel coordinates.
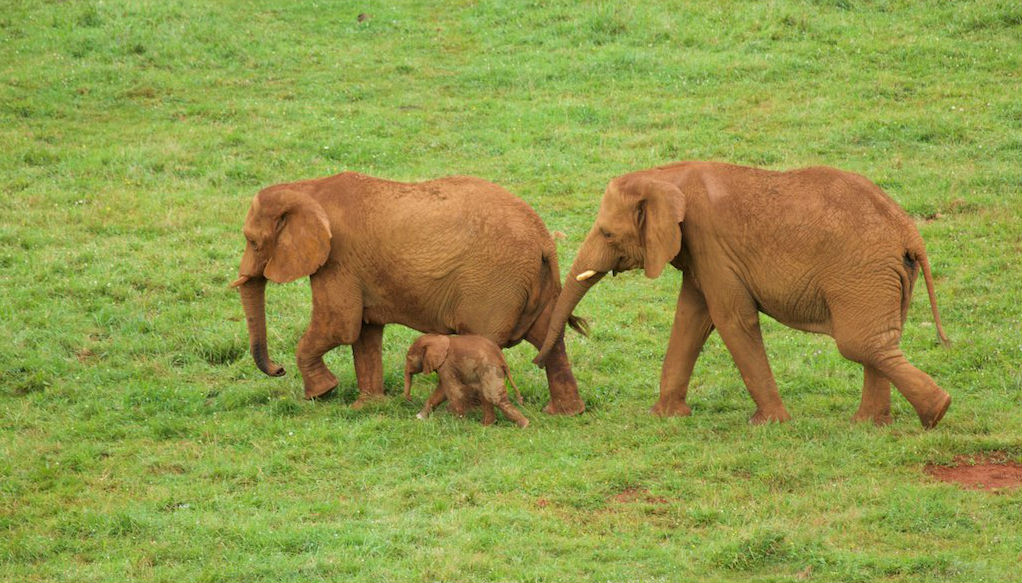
(138, 441)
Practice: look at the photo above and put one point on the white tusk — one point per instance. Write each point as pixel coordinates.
(585, 275)
(240, 281)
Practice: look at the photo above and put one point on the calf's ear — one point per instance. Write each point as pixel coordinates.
(437, 347)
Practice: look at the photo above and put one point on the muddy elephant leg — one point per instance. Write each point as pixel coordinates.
(564, 397)
(876, 398)
(336, 320)
(928, 399)
(457, 393)
(692, 326)
(367, 353)
(874, 344)
(489, 417)
(512, 413)
(737, 322)
(435, 399)
(317, 378)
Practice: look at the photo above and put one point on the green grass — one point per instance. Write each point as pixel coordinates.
(138, 441)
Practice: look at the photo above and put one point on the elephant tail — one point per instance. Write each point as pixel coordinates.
(928, 277)
(580, 325)
(507, 375)
(919, 255)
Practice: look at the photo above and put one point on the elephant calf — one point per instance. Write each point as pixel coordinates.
(470, 368)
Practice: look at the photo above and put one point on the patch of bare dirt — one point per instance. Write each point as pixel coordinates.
(992, 471)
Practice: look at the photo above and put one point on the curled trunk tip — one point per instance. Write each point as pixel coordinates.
(253, 300)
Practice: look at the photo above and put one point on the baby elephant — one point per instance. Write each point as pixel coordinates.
(470, 369)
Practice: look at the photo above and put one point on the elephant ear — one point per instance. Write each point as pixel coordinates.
(435, 353)
(659, 211)
(303, 235)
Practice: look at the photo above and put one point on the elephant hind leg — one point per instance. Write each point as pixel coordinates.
(928, 399)
(489, 417)
(367, 354)
(564, 397)
(512, 413)
(883, 355)
(876, 398)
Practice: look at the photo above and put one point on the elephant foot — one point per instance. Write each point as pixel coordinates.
(367, 399)
(523, 423)
(319, 387)
(565, 407)
(879, 419)
(772, 416)
(932, 416)
(671, 408)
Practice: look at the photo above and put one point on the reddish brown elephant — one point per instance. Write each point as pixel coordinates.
(455, 255)
(469, 369)
(817, 249)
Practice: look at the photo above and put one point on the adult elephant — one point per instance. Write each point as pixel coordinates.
(455, 255)
(817, 249)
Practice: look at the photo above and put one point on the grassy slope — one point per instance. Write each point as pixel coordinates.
(137, 439)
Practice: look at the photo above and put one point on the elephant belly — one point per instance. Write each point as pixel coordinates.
(806, 311)
(446, 308)
(419, 318)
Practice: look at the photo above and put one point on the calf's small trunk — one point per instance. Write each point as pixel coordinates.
(408, 385)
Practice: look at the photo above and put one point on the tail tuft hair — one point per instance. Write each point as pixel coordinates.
(580, 325)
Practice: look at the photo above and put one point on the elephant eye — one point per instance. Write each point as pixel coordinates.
(606, 234)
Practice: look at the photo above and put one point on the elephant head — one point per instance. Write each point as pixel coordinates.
(425, 355)
(638, 226)
(288, 236)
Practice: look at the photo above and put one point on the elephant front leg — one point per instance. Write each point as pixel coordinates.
(564, 397)
(336, 319)
(876, 398)
(367, 353)
(316, 377)
(432, 402)
(692, 326)
(738, 325)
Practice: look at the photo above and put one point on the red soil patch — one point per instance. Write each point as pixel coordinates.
(994, 471)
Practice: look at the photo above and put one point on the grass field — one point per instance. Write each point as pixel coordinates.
(139, 442)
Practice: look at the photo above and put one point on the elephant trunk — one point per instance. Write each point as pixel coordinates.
(408, 384)
(571, 294)
(253, 300)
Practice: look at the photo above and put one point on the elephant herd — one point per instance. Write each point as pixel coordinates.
(817, 249)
